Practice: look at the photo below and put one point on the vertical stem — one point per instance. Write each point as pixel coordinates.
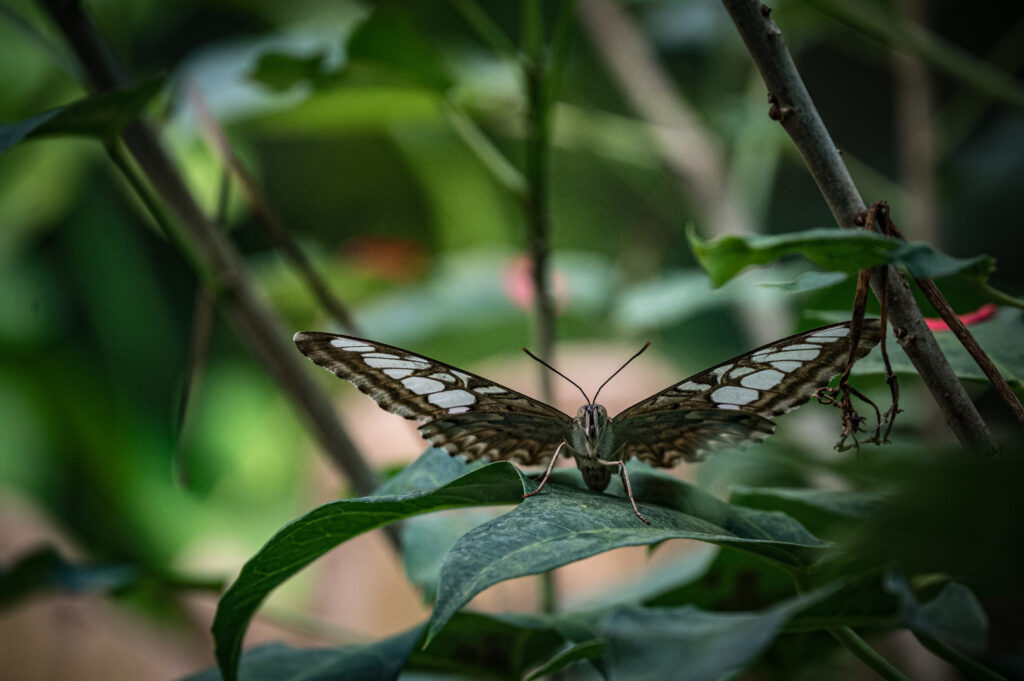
(538, 148)
(793, 107)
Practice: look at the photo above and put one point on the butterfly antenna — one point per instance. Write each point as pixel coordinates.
(646, 345)
(559, 373)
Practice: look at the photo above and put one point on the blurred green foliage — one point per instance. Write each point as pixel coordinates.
(353, 118)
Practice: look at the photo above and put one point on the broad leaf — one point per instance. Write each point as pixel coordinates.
(842, 250)
(101, 115)
(378, 661)
(688, 644)
(306, 539)
(954, 615)
(493, 646)
(563, 524)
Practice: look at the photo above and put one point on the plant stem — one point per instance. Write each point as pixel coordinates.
(538, 149)
(968, 666)
(856, 645)
(793, 108)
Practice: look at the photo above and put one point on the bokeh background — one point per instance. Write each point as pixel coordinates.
(360, 123)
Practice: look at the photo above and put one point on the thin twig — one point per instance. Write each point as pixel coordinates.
(792, 106)
(878, 215)
(257, 324)
(689, 149)
(268, 217)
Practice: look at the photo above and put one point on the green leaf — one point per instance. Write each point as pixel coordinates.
(812, 280)
(306, 539)
(281, 71)
(816, 509)
(689, 644)
(492, 646)
(999, 336)
(842, 250)
(735, 580)
(954, 615)
(391, 40)
(831, 249)
(564, 524)
(377, 661)
(45, 568)
(102, 115)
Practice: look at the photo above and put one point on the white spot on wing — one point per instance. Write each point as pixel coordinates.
(458, 410)
(787, 366)
(732, 394)
(692, 386)
(452, 398)
(802, 346)
(729, 406)
(398, 373)
(351, 344)
(837, 332)
(395, 363)
(740, 371)
(463, 376)
(447, 378)
(422, 386)
(787, 355)
(489, 390)
(720, 371)
(766, 379)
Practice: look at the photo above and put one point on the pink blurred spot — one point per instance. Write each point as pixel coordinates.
(979, 315)
(517, 283)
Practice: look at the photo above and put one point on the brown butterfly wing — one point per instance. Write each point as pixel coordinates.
(731, 404)
(461, 412)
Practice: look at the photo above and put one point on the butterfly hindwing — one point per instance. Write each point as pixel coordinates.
(731, 403)
(460, 411)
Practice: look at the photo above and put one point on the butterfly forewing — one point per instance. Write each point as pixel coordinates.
(461, 412)
(737, 398)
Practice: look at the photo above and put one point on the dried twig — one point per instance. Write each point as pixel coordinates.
(878, 215)
(792, 106)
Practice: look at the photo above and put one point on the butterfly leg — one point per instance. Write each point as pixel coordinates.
(629, 489)
(547, 473)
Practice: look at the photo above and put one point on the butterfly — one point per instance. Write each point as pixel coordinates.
(729, 405)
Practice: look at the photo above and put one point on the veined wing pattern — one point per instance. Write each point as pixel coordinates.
(461, 412)
(730, 404)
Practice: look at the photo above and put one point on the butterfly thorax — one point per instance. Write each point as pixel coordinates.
(593, 442)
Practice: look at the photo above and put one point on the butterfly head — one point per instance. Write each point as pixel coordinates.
(592, 419)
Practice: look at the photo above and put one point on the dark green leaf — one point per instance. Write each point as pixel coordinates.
(954, 615)
(831, 249)
(390, 39)
(842, 250)
(735, 580)
(688, 644)
(816, 509)
(46, 569)
(564, 524)
(306, 539)
(281, 72)
(812, 280)
(999, 337)
(592, 650)
(101, 115)
(379, 661)
(430, 470)
(492, 646)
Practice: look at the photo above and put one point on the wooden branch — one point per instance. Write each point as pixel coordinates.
(257, 324)
(792, 106)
